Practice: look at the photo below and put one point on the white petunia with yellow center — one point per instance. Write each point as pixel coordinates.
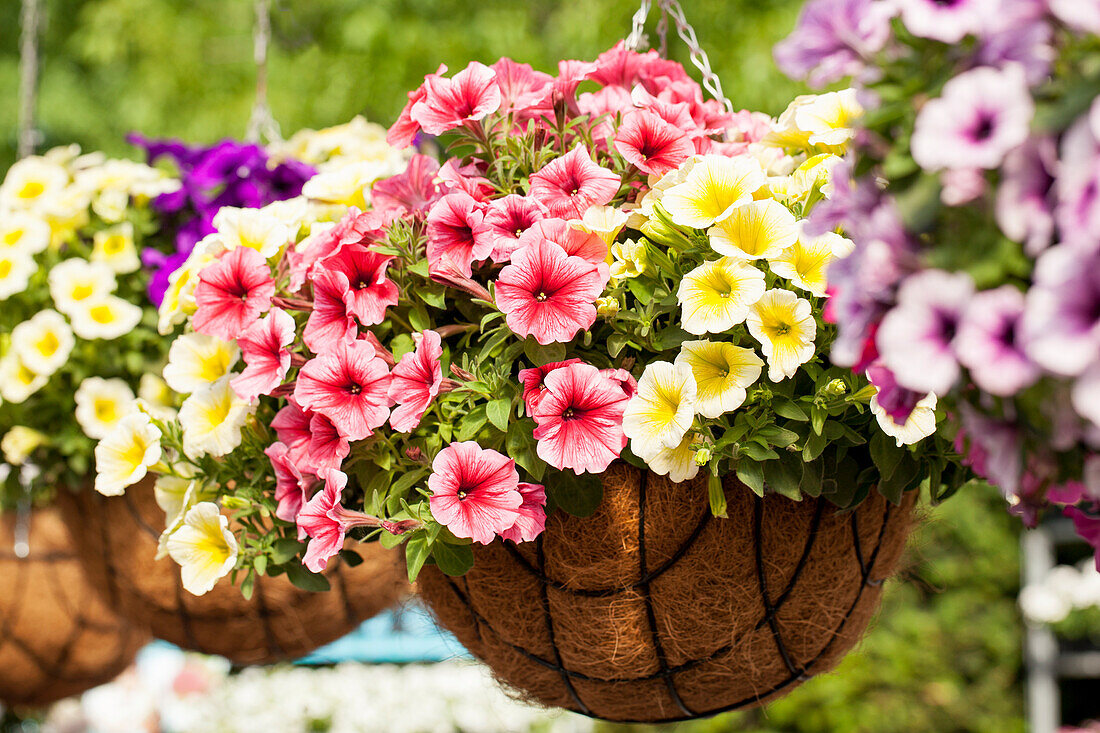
(350, 184)
(17, 382)
(16, 269)
(760, 229)
(920, 424)
(629, 259)
(176, 495)
(715, 185)
(785, 327)
(156, 397)
(604, 221)
(196, 361)
(23, 232)
(204, 548)
(101, 404)
(44, 342)
(179, 298)
(806, 264)
(722, 372)
(677, 463)
(106, 318)
(212, 420)
(19, 443)
(662, 410)
(124, 457)
(252, 228)
(823, 122)
(115, 248)
(32, 184)
(75, 283)
(717, 295)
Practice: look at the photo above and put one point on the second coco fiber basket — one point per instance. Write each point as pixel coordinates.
(652, 610)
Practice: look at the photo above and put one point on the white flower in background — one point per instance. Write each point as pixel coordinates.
(17, 382)
(176, 495)
(115, 248)
(814, 172)
(759, 229)
(124, 457)
(350, 184)
(604, 221)
(106, 318)
(76, 282)
(662, 410)
(822, 121)
(23, 232)
(69, 156)
(44, 342)
(111, 205)
(1043, 606)
(66, 212)
(98, 175)
(784, 325)
(711, 190)
(717, 295)
(919, 425)
(101, 404)
(16, 269)
(156, 397)
(19, 443)
(806, 264)
(629, 260)
(204, 548)
(722, 371)
(252, 228)
(196, 361)
(31, 184)
(179, 299)
(212, 420)
(291, 212)
(677, 463)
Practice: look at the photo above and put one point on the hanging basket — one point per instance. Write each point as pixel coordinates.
(652, 610)
(117, 537)
(56, 637)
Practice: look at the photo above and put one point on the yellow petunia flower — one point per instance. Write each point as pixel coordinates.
(17, 382)
(717, 295)
(715, 185)
(204, 548)
(32, 184)
(76, 282)
(196, 361)
(16, 269)
(785, 327)
(823, 123)
(761, 229)
(678, 463)
(212, 420)
(101, 404)
(43, 343)
(115, 248)
(19, 443)
(252, 228)
(629, 260)
(662, 410)
(722, 372)
(106, 318)
(124, 457)
(806, 264)
(23, 232)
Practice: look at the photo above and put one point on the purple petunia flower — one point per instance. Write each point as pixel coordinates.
(988, 342)
(1086, 396)
(991, 448)
(1081, 15)
(981, 115)
(833, 39)
(946, 20)
(916, 338)
(1061, 323)
(897, 401)
(1019, 34)
(1078, 184)
(1025, 206)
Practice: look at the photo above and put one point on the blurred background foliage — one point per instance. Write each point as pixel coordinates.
(945, 654)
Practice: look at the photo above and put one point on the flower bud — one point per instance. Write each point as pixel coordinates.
(235, 502)
(607, 307)
(19, 443)
(702, 456)
(836, 388)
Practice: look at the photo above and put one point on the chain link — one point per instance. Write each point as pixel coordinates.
(637, 40)
(262, 124)
(29, 137)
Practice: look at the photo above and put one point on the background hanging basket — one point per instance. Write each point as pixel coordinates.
(56, 637)
(117, 538)
(652, 610)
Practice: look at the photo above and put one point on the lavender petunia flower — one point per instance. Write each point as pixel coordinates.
(946, 20)
(1086, 394)
(1025, 206)
(988, 342)
(1061, 324)
(833, 39)
(962, 185)
(1018, 34)
(1081, 15)
(991, 448)
(1078, 184)
(916, 338)
(897, 401)
(982, 115)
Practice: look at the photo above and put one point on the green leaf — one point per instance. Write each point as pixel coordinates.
(302, 578)
(541, 355)
(417, 551)
(671, 338)
(285, 549)
(642, 289)
(886, 454)
(784, 476)
(498, 411)
(717, 496)
(811, 478)
(902, 478)
(407, 480)
(789, 410)
(420, 267)
(248, 586)
(434, 298)
(751, 474)
(616, 342)
(815, 444)
(472, 423)
(576, 495)
(453, 560)
(777, 436)
(817, 419)
(757, 452)
(418, 318)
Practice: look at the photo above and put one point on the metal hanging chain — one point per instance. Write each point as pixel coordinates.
(262, 124)
(28, 78)
(637, 41)
(27, 474)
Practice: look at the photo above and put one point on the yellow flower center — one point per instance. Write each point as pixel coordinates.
(12, 237)
(48, 344)
(5, 269)
(114, 244)
(25, 375)
(31, 190)
(106, 410)
(81, 291)
(102, 314)
(134, 455)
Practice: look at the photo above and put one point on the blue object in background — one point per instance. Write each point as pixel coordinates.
(398, 636)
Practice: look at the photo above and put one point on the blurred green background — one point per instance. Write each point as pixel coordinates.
(945, 654)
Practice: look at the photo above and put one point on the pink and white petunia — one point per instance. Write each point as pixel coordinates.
(231, 293)
(533, 382)
(651, 143)
(410, 193)
(549, 294)
(330, 322)
(509, 218)
(568, 185)
(475, 491)
(457, 232)
(290, 485)
(291, 426)
(327, 522)
(449, 103)
(327, 447)
(348, 383)
(265, 346)
(580, 419)
(370, 291)
(577, 242)
(416, 381)
(357, 227)
(532, 514)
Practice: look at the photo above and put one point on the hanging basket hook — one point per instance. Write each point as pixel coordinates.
(261, 123)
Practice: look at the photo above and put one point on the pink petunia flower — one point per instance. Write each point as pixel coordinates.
(348, 383)
(326, 521)
(509, 218)
(562, 90)
(651, 143)
(410, 193)
(232, 293)
(416, 382)
(569, 185)
(290, 487)
(533, 378)
(329, 322)
(457, 231)
(370, 291)
(355, 228)
(466, 178)
(404, 130)
(532, 514)
(448, 103)
(327, 447)
(580, 419)
(549, 294)
(291, 426)
(475, 491)
(521, 87)
(577, 242)
(626, 381)
(264, 346)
